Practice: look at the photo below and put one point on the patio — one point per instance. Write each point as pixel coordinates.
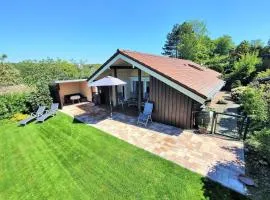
(220, 159)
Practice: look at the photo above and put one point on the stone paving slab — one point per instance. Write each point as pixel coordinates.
(218, 158)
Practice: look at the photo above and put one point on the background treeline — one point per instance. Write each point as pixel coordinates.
(31, 72)
(26, 85)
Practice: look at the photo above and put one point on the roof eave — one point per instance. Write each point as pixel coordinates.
(100, 68)
(215, 90)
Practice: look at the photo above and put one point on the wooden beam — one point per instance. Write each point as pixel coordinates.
(139, 90)
(115, 87)
(121, 67)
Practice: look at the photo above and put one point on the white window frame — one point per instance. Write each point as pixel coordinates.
(136, 78)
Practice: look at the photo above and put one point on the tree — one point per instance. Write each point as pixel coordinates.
(88, 69)
(188, 41)
(244, 67)
(218, 63)
(170, 46)
(193, 41)
(46, 70)
(243, 48)
(223, 45)
(3, 57)
(256, 44)
(9, 75)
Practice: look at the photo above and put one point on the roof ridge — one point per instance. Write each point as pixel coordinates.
(190, 62)
(163, 56)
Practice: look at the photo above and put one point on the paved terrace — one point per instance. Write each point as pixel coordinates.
(220, 159)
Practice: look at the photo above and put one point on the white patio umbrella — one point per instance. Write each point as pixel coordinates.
(108, 81)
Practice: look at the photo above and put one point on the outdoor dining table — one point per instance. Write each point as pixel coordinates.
(75, 98)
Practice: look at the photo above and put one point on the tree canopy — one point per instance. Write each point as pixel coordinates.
(188, 40)
(9, 75)
(48, 70)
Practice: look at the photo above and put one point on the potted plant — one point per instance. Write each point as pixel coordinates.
(203, 119)
(203, 127)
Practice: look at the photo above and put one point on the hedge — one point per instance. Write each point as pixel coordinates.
(11, 104)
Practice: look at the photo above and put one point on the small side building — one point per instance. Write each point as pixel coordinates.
(68, 88)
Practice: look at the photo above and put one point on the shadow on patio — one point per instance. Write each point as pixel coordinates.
(226, 172)
(95, 115)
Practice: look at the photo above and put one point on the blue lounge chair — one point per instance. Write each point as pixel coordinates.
(33, 116)
(49, 113)
(146, 115)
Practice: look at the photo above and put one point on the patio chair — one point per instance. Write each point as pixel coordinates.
(121, 100)
(33, 116)
(132, 102)
(146, 115)
(49, 113)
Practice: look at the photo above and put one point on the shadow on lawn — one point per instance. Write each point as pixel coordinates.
(76, 121)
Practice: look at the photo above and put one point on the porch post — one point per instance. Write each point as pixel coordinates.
(139, 90)
(115, 87)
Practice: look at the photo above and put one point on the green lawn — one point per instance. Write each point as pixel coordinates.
(62, 159)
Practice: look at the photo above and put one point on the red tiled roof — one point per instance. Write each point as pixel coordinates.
(200, 80)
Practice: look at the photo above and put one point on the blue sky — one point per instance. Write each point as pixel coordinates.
(93, 30)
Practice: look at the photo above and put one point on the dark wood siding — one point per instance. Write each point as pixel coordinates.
(171, 106)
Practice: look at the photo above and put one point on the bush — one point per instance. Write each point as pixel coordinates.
(236, 93)
(15, 89)
(253, 104)
(222, 101)
(263, 74)
(39, 97)
(260, 142)
(13, 103)
(236, 84)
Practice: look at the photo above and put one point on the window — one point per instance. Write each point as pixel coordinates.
(134, 86)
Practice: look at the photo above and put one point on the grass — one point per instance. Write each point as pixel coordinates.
(62, 159)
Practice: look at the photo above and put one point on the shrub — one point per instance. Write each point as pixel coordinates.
(19, 116)
(39, 97)
(221, 101)
(263, 74)
(236, 93)
(13, 103)
(15, 89)
(236, 83)
(260, 142)
(253, 104)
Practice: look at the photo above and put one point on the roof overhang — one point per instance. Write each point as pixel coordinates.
(216, 90)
